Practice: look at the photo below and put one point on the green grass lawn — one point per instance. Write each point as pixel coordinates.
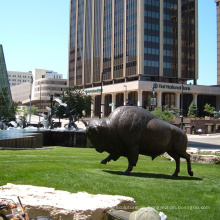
(150, 184)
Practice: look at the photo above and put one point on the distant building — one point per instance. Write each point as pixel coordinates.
(16, 78)
(45, 83)
(49, 74)
(218, 40)
(5, 92)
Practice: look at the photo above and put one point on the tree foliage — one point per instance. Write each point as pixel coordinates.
(209, 109)
(193, 110)
(76, 101)
(9, 112)
(165, 115)
(26, 110)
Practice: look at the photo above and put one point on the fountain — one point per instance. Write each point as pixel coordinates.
(20, 135)
(2, 123)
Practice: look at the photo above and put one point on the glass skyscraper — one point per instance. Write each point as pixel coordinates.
(129, 45)
(149, 40)
(5, 92)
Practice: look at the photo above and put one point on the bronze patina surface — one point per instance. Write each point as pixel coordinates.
(130, 131)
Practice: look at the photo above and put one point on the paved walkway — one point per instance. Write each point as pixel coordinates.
(205, 141)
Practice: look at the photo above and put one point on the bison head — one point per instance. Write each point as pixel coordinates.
(97, 132)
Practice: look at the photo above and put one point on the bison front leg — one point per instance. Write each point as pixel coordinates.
(107, 159)
(132, 155)
(130, 168)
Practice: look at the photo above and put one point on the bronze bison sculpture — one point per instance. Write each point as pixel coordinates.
(130, 131)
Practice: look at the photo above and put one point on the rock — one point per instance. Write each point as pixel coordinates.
(210, 151)
(191, 150)
(206, 159)
(43, 201)
(197, 158)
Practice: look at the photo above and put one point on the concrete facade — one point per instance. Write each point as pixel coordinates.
(16, 78)
(141, 94)
(40, 90)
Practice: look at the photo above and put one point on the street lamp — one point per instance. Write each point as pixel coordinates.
(181, 110)
(153, 100)
(101, 96)
(31, 81)
(51, 107)
(40, 102)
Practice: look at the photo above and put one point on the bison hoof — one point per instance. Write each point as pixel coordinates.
(127, 172)
(175, 174)
(191, 173)
(104, 162)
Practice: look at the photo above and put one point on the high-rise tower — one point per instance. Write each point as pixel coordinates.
(218, 40)
(131, 47)
(150, 40)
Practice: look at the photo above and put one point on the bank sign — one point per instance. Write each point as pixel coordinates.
(91, 91)
(171, 87)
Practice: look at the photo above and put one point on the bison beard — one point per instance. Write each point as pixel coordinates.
(130, 131)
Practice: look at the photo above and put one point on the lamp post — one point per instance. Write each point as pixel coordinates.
(31, 81)
(153, 100)
(40, 103)
(181, 110)
(51, 107)
(100, 115)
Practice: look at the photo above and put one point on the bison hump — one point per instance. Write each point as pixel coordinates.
(129, 115)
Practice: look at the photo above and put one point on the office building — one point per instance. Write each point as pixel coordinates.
(45, 83)
(138, 50)
(16, 78)
(5, 92)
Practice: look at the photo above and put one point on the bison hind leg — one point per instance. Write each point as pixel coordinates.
(177, 159)
(187, 157)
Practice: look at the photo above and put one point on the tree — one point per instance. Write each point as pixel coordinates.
(76, 101)
(9, 112)
(26, 110)
(193, 110)
(165, 115)
(209, 109)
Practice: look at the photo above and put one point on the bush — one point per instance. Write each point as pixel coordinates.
(165, 115)
(193, 110)
(209, 109)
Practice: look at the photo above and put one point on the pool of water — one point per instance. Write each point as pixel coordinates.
(12, 133)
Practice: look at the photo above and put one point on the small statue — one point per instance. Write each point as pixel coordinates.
(72, 120)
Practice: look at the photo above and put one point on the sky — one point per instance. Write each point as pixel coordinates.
(35, 33)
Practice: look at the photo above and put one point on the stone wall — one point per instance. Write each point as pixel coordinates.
(208, 125)
(27, 141)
